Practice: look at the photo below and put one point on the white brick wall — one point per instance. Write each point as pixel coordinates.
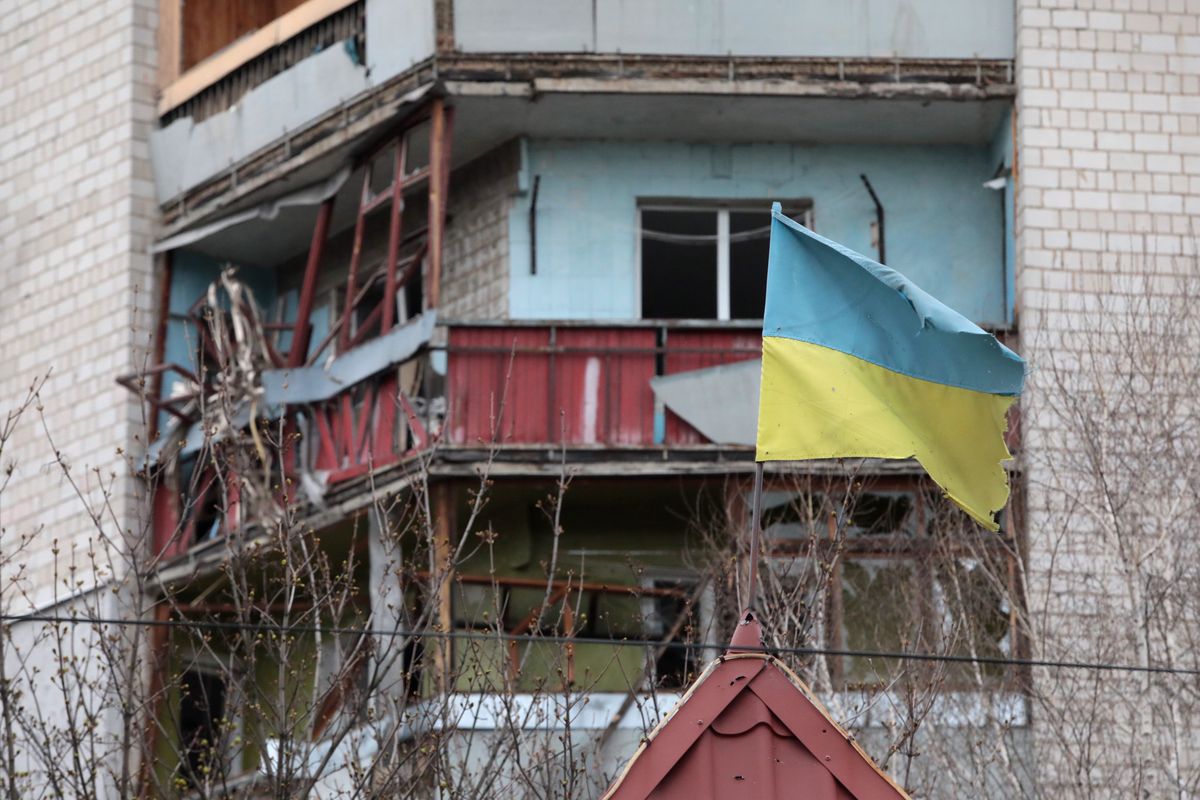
(1108, 184)
(76, 218)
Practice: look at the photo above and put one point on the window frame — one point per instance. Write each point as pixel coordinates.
(796, 208)
(917, 547)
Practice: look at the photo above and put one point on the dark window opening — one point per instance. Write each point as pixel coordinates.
(201, 720)
(203, 502)
(749, 243)
(679, 264)
(413, 658)
(414, 292)
(881, 514)
(701, 262)
(372, 302)
(209, 515)
(678, 664)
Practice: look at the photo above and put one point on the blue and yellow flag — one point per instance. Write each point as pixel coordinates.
(858, 362)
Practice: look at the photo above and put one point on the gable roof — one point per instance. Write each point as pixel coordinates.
(749, 727)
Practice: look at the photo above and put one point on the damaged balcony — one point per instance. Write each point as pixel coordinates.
(465, 393)
(616, 626)
(337, 357)
(589, 385)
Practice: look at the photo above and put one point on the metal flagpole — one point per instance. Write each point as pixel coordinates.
(755, 523)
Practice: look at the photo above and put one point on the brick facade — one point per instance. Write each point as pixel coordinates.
(1108, 185)
(76, 281)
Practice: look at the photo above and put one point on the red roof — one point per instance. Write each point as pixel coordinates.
(750, 728)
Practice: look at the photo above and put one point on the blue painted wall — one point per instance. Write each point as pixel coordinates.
(191, 274)
(944, 229)
(1002, 159)
(318, 319)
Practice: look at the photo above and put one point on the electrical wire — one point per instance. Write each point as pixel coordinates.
(268, 627)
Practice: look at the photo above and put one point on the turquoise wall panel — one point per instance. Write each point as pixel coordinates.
(944, 229)
(191, 275)
(1002, 158)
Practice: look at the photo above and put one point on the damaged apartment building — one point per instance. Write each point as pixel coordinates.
(453, 239)
(457, 291)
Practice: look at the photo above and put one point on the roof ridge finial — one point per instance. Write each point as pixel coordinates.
(747, 637)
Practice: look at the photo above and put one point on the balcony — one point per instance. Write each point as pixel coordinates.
(527, 387)
(468, 392)
(579, 385)
(250, 98)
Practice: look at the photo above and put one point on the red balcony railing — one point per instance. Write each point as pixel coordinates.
(370, 425)
(578, 385)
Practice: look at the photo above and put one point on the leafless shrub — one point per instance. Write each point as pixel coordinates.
(305, 651)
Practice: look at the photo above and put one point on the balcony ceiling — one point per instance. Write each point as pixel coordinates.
(484, 121)
(490, 113)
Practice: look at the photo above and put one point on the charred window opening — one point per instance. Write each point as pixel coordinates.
(707, 261)
(202, 707)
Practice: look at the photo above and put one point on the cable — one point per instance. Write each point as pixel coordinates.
(559, 639)
(705, 238)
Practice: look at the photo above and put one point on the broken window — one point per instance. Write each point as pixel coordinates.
(976, 615)
(203, 505)
(674, 620)
(890, 571)
(880, 611)
(202, 707)
(706, 262)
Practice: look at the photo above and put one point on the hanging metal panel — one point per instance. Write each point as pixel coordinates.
(691, 349)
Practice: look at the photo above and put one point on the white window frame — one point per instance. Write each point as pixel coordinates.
(722, 208)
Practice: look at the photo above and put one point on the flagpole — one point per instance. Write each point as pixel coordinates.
(755, 523)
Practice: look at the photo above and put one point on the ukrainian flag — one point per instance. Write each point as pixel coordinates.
(858, 362)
